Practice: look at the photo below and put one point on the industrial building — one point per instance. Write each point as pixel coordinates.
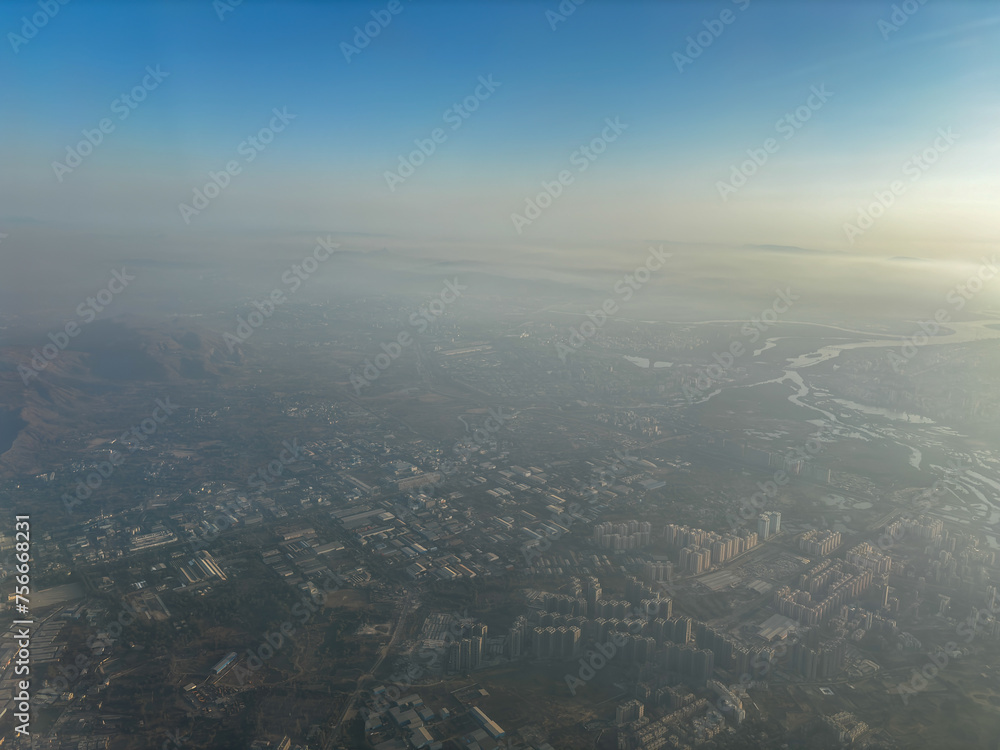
(487, 723)
(226, 661)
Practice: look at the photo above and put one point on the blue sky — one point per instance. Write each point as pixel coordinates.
(353, 120)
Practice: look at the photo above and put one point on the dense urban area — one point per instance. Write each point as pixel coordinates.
(489, 545)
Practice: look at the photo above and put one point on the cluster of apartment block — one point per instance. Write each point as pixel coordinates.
(868, 557)
(817, 542)
(466, 654)
(818, 661)
(918, 528)
(625, 535)
(822, 589)
(700, 550)
(768, 524)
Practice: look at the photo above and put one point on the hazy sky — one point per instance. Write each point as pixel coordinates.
(887, 93)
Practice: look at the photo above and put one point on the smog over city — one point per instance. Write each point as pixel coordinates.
(541, 374)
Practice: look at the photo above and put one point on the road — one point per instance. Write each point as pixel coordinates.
(386, 650)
